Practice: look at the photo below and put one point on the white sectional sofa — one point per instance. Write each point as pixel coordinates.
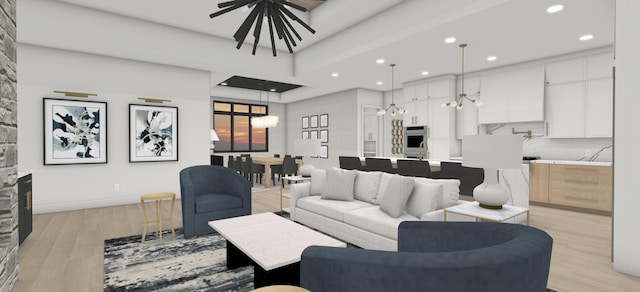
(363, 216)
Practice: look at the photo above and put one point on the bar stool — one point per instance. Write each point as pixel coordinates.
(158, 197)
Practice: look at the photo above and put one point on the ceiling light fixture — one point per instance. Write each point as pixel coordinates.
(223, 84)
(424, 73)
(267, 121)
(462, 96)
(334, 74)
(450, 40)
(554, 9)
(492, 58)
(379, 83)
(392, 108)
(380, 61)
(276, 15)
(586, 37)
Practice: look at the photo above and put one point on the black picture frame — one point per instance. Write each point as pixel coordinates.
(324, 120)
(313, 134)
(305, 122)
(74, 131)
(324, 136)
(153, 133)
(313, 121)
(305, 134)
(324, 153)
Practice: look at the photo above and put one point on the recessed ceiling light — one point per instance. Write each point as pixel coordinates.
(334, 74)
(379, 83)
(380, 61)
(555, 8)
(586, 37)
(272, 89)
(492, 58)
(223, 83)
(450, 40)
(424, 73)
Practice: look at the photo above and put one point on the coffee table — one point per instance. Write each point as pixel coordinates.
(473, 209)
(272, 244)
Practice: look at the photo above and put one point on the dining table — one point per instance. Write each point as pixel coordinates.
(268, 161)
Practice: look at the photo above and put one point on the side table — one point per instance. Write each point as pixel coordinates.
(498, 215)
(294, 179)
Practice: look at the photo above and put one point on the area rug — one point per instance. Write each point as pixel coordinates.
(179, 264)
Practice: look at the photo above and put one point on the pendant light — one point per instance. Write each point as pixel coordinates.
(267, 121)
(392, 108)
(462, 96)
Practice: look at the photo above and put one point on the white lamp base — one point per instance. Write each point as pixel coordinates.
(490, 194)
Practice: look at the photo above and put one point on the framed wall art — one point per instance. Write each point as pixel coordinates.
(305, 122)
(324, 120)
(314, 134)
(75, 131)
(325, 151)
(313, 121)
(153, 133)
(305, 134)
(324, 136)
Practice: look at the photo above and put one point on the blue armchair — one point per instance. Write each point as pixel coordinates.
(437, 256)
(210, 192)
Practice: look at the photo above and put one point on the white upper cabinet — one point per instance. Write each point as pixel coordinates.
(599, 108)
(422, 91)
(565, 71)
(512, 96)
(440, 88)
(600, 66)
(565, 110)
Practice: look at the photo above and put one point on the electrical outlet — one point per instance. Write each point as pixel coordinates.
(116, 187)
(588, 153)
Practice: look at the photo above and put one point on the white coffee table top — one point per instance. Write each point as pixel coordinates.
(270, 240)
(473, 209)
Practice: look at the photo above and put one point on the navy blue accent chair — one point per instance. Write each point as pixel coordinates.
(210, 192)
(437, 256)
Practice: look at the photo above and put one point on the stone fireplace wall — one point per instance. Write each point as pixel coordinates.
(8, 147)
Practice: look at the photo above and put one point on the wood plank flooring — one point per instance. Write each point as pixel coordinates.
(65, 250)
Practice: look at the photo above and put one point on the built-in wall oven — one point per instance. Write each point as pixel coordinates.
(413, 136)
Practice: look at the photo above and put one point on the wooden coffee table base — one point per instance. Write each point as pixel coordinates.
(286, 275)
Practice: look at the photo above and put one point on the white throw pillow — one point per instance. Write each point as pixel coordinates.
(366, 186)
(318, 181)
(425, 197)
(450, 190)
(339, 185)
(385, 178)
(396, 195)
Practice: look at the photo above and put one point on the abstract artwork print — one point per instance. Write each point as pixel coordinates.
(153, 133)
(74, 132)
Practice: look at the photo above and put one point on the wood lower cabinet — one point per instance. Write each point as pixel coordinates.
(577, 186)
(25, 215)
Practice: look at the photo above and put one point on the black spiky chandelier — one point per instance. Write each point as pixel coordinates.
(276, 14)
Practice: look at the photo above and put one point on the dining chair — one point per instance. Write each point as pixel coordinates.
(379, 164)
(289, 166)
(417, 168)
(350, 162)
(276, 169)
(253, 172)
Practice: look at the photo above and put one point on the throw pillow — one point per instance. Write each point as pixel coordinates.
(318, 181)
(339, 185)
(450, 190)
(426, 197)
(366, 186)
(396, 195)
(384, 182)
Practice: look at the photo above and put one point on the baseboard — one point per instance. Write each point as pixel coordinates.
(79, 205)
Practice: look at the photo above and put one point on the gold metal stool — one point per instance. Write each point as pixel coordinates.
(158, 220)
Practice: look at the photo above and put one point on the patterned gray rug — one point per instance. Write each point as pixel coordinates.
(176, 265)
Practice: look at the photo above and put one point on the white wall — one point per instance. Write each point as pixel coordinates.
(626, 200)
(343, 120)
(118, 82)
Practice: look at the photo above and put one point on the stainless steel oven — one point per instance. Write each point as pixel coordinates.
(413, 136)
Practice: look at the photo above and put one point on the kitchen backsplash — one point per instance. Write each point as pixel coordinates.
(578, 149)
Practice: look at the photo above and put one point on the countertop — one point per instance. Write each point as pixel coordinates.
(592, 163)
(22, 173)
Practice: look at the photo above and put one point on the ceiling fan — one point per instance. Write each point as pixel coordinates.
(277, 15)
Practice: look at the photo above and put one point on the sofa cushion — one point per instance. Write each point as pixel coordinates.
(366, 186)
(214, 202)
(318, 181)
(425, 197)
(384, 182)
(396, 195)
(450, 190)
(330, 208)
(339, 184)
(374, 220)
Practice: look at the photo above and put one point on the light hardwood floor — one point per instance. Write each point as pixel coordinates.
(65, 250)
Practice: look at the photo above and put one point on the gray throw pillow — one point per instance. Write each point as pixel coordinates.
(318, 181)
(396, 195)
(339, 185)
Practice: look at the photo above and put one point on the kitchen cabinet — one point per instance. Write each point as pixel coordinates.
(580, 104)
(25, 213)
(512, 96)
(577, 185)
(370, 127)
(416, 104)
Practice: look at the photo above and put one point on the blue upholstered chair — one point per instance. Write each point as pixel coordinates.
(437, 256)
(210, 192)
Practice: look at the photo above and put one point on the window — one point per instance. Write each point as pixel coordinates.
(232, 122)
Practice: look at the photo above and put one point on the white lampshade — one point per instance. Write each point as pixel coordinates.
(492, 151)
(213, 136)
(306, 147)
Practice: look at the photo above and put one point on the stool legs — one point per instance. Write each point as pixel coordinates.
(158, 220)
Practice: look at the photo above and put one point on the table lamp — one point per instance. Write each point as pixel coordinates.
(213, 137)
(491, 152)
(306, 147)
